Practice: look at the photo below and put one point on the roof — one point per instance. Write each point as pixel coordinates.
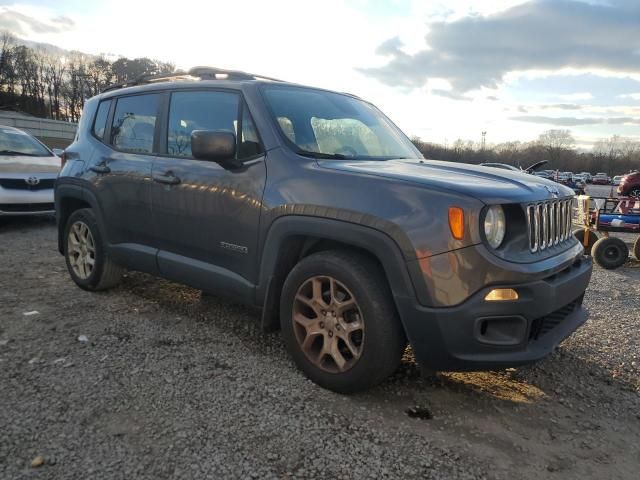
(194, 74)
(199, 77)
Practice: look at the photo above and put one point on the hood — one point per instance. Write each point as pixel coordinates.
(26, 164)
(489, 185)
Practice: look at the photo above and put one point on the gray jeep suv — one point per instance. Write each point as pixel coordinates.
(315, 207)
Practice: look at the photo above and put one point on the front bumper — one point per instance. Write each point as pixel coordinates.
(26, 202)
(482, 335)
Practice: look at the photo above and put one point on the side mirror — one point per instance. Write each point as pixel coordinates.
(215, 146)
(58, 152)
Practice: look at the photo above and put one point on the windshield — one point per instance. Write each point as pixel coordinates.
(330, 125)
(17, 142)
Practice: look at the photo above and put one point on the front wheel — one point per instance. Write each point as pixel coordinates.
(339, 322)
(85, 253)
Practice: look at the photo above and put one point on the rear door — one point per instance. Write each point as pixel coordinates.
(121, 167)
(205, 216)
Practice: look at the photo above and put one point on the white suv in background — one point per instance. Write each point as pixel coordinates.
(28, 171)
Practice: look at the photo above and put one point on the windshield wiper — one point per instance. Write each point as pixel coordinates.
(13, 152)
(333, 156)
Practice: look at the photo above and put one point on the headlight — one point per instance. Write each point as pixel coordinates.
(494, 226)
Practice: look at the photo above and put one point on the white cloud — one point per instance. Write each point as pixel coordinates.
(569, 97)
(315, 43)
(633, 96)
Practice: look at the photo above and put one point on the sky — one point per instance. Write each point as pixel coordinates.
(441, 70)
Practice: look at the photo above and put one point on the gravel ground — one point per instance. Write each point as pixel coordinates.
(170, 384)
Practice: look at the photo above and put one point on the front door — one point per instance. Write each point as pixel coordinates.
(205, 216)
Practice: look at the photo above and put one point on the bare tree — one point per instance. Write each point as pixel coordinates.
(558, 144)
(7, 42)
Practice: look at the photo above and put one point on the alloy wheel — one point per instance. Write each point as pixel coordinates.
(328, 324)
(81, 250)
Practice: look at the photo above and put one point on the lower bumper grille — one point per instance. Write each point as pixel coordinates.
(26, 207)
(543, 325)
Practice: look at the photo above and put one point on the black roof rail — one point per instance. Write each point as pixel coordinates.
(201, 73)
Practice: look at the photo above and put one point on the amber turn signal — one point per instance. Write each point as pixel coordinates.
(501, 294)
(456, 222)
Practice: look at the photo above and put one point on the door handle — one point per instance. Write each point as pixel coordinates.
(168, 179)
(100, 168)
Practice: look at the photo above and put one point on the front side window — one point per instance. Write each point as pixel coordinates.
(15, 142)
(134, 123)
(324, 124)
(189, 111)
(214, 111)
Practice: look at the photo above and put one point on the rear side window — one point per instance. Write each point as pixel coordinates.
(100, 123)
(134, 123)
(217, 111)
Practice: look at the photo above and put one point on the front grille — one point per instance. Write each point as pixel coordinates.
(543, 325)
(26, 207)
(21, 184)
(548, 223)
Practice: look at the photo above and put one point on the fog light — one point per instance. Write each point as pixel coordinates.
(500, 294)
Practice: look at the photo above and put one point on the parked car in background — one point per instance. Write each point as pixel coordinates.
(587, 176)
(28, 171)
(578, 177)
(544, 174)
(616, 180)
(503, 166)
(630, 185)
(600, 179)
(562, 177)
(530, 169)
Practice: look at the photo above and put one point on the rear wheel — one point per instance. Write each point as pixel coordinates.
(635, 192)
(87, 259)
(610, 252)
(636, 248)
(592, 238)
(339, 322)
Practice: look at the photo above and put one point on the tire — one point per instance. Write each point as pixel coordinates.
(593, 238)
(610, 252)
(634, 192)
(104, 273)
(378, 345)
(636, 248)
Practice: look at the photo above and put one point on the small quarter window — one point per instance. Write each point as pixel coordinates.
(100, 122)
(250, 142)
(134, 123)
(287, 128)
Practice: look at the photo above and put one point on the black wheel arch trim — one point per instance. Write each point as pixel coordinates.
(71, 189)
(390, 229)
(364, 237)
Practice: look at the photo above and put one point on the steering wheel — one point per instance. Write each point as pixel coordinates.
(347, 150)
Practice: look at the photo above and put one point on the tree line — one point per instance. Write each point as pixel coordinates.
(615, 155)
(47, 84)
